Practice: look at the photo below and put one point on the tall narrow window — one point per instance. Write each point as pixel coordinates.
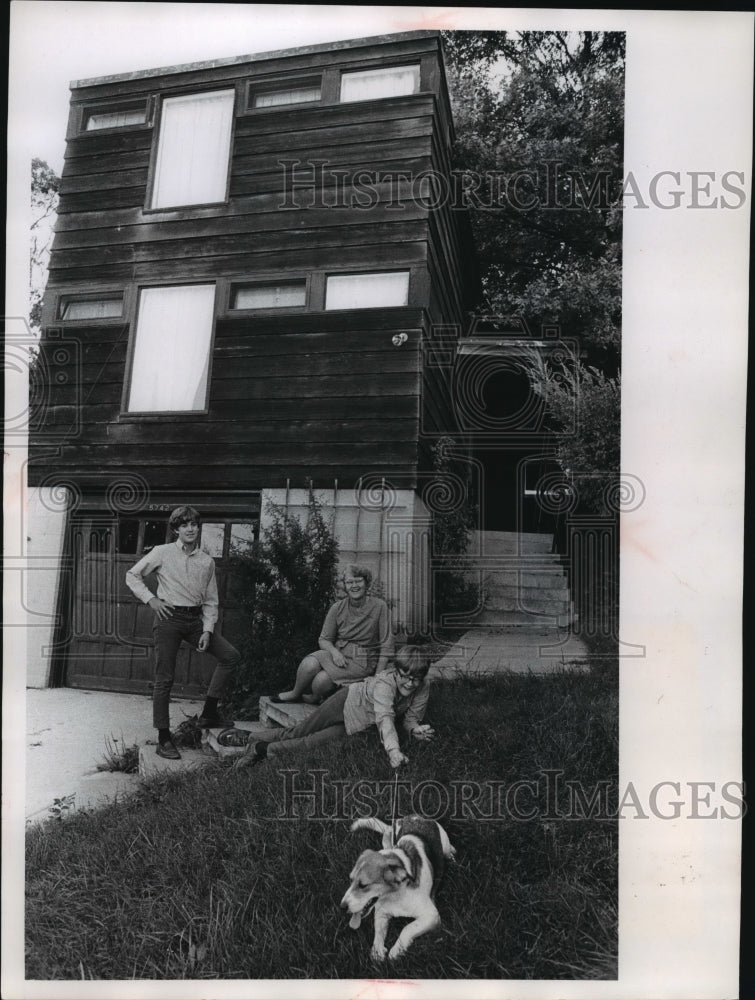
(194, 149)
(171, 356)
(367, 291)
(390, 81)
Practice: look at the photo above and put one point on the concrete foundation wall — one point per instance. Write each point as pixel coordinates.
(387, 531)
(44, 532)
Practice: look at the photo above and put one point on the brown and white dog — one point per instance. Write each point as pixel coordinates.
(399, 881)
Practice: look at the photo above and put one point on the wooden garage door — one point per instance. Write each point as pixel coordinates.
(109, 641)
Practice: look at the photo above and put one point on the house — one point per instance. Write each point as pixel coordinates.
(258, 287)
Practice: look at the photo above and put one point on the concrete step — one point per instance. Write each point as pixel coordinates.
(534, 577)
(536, 605)
(256, 731)
(516, 618)
(151, 765)
(490, 666)
(492, 543)
(283, 713)
(519, 618)
(552, 592)
(485, 652)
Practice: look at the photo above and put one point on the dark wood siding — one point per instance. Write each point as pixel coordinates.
(323, 396)
(293, 395)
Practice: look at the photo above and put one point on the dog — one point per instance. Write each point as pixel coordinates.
(399, 881)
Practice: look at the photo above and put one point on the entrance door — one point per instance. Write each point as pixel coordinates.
(516, 487)
(108, 645)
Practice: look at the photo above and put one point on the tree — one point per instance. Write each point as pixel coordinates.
(45, 187)
(539, 119)
(588, 447)
(539, 122)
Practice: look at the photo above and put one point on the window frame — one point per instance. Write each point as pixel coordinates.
(363, 272)
(217, 88)
(88, 109)
(264, 281)
(62, 298)
(371, 67)
(274, 85)
(125, 415)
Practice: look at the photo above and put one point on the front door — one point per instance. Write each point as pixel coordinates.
(107, 643)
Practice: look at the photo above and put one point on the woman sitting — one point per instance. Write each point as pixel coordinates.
(400, 692)
(355, 642)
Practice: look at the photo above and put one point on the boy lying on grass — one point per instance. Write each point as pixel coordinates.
(401, 690)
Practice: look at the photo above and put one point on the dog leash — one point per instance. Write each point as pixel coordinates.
(395, 809)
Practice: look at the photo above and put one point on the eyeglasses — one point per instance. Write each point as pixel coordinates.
(408, 678)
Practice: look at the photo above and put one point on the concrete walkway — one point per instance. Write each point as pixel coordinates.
(67, 732)
(515, 648)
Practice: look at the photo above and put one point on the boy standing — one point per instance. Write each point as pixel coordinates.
(186, 610)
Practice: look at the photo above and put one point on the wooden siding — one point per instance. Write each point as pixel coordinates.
(292, 395)
(309, 395)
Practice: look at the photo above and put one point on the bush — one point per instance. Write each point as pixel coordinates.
(287, 582)
(454, 593)
(590, 459)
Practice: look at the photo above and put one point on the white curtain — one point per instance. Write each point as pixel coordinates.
(172, 349)
(92, 308)
(115, 119)
(195, 144)
(276, 98)
(367, 85)
(270, 296)
(367, 291)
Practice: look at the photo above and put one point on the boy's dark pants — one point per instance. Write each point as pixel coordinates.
(185, 625)
(323, 725)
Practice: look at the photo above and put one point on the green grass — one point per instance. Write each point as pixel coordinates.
(197, 877)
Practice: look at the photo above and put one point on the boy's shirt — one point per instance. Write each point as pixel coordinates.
(376, 701)
(183, 579)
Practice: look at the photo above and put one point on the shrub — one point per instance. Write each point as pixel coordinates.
(590, 458)
(286, 582)
(454, 593)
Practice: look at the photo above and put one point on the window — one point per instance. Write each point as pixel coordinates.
(115, 119)
(193, 150)
(107, 307)
(171, 354)
(367, 85)
(242, 537)
(299, 92)
(155, 533)
(284, 295)
(213, 534)
(128, 535)
(366, 291)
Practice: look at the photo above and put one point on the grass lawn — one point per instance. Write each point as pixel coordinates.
(219, 874)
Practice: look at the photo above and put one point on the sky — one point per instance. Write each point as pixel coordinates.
(55, 43)
(685, 312)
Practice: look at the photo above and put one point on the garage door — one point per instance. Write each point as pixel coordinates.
(108, 645)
